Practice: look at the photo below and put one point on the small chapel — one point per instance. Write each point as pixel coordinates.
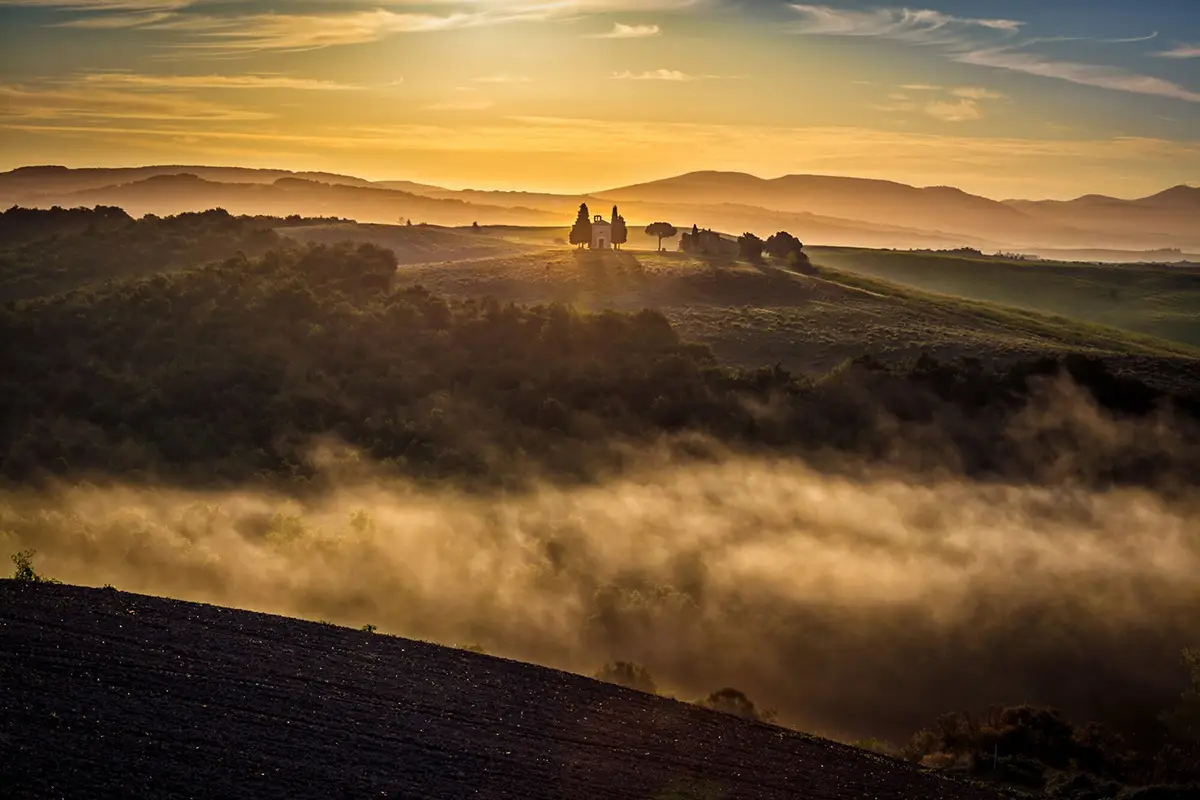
(601, 234)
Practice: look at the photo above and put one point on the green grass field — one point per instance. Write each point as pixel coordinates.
(1159, 301)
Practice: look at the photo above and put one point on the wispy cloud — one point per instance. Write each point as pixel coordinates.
(621, 31)
(504, 77)
(983, 42)
(1133, 39)
(136, 81)
(987, 164)
(1181, 51)
(292, 32)
(1102, 77)
(949, 104)
(960, 111)
(94, 103)
(653, 75)
(975, 93)
(463, 98)
(225, 26)
(917, 25)
(101, 14)
(461, 104)
(665, 75)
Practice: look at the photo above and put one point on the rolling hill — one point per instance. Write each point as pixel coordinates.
(109, 694)
(820, 209)
(1101, 222)
(29, 185)
(174, 194)
(753, 315)
(1160, 301)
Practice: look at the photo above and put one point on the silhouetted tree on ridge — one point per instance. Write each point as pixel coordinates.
(581, 232)
(750, 247)
(620, 234)
(663, 230)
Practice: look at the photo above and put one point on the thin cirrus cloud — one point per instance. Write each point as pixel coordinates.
(504, 77)
(622, 31)
(956, 111)
(1181, 51)
(83, 103)
(221, 25)
(993, 43)
(953, 104)
(296, 32)
(672, 75)
(136, 81)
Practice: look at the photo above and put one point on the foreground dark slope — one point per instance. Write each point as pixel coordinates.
(108, 694)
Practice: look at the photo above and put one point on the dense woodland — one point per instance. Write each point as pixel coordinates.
(48, 251)
(123, 363)
(229, 372)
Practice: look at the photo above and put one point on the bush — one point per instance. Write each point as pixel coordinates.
(632, 676)
(24, 572)
(732, 701)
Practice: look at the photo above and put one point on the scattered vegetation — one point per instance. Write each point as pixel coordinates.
(735, 702)
(25, 572)
(1038, 749)
(624, 673)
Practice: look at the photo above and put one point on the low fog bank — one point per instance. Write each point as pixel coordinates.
(856, 604)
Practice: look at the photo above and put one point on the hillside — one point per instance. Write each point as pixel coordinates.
(1113, 223)
(754, 315)
(414, 244)
(27, 185)
(820, 209)
(108, 694)
(1174, 212)
(1160, 301)
(174, 194)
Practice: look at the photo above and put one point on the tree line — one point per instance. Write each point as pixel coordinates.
(227, 372)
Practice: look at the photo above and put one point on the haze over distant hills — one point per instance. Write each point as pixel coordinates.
(820, 209)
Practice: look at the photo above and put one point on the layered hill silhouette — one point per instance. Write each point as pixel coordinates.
(109, 694)
(820, 209)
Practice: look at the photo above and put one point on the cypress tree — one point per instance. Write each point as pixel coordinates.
(581, 232)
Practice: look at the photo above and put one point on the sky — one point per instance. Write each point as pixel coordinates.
(1021, 98)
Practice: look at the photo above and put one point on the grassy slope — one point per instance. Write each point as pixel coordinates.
(1160, 301)
(761, 314)
(414, 244)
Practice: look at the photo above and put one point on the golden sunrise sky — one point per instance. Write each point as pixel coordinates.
(1029, 98)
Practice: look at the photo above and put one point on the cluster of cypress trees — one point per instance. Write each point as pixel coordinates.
(581, 231)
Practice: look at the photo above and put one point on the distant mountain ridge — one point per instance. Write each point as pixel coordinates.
(821, 208)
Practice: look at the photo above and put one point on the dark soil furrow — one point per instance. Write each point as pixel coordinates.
(108, 694)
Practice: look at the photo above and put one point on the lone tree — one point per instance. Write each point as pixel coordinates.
(581, 231)
(750, 247)
(663, 230)
(782, 245)
(620, 234)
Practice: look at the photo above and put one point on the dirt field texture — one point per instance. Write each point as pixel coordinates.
(108, 694)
